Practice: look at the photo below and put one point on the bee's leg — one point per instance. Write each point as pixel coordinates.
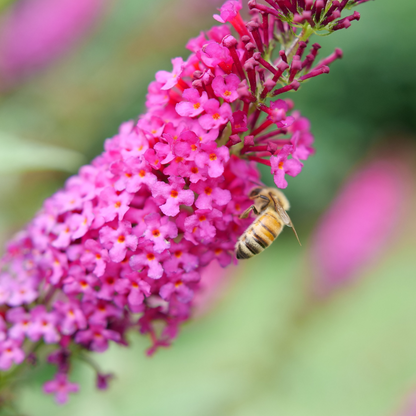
(246, 213)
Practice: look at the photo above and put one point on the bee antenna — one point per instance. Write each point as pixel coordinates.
(296, 234)
(258, 183)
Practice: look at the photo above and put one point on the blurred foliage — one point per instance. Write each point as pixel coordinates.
(265, 348)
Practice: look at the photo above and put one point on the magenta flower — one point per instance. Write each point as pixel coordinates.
(10, 352)
(118, 241)
(228, 11)
(61, 387)
(216, 115)
(173, 195)
(281, 166)
(226, 87)
(170, 79)
(209, 193)
(193, 106)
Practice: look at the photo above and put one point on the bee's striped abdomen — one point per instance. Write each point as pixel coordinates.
(259, 235)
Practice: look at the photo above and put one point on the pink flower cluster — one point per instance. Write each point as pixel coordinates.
(124, 243)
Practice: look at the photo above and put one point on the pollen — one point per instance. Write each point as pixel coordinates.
(208, 190)
(128, 175)
(121, 239)
(150, 257)
(178, 254)
(218, 251)
(178, 283)
(142, 173)
(194, 170)
(280, 165)
(98, 256)
(117, 204)
(174, 193)
(212, 157)
(202, 218)
(197, 105)
(156, 233)
(178, 159)
(216, 116)
(194, 147)
(227, 93)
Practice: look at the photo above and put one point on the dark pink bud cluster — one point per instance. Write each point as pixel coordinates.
(318, 14)
(124, 243)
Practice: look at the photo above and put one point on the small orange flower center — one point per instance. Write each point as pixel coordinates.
(178, 254)
(218, 251)
(135, 285)
(212, 157)
(280, 165)
(216, 116)
(156, 233)
(174, 193)
(237, 207)
(194, 147)
(178, 283)
(129, 175)
(178, 159)
(208, 190)
(227, 93)
(194, 169)
(197, 105)
(142, 173)
(98, 256)
(150, 256)
(117, 204)
(121, 239)
(202, 218)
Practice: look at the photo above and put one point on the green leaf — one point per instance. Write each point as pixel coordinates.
(19, 156)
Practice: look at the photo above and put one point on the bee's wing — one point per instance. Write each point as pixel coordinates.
(284, 216)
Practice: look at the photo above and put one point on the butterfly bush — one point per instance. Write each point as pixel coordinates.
(123, 245)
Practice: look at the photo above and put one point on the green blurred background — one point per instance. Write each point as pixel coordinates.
(263, 348)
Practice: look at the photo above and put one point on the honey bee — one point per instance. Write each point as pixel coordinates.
(270, 206)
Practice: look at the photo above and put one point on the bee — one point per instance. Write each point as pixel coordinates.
(270, 206)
